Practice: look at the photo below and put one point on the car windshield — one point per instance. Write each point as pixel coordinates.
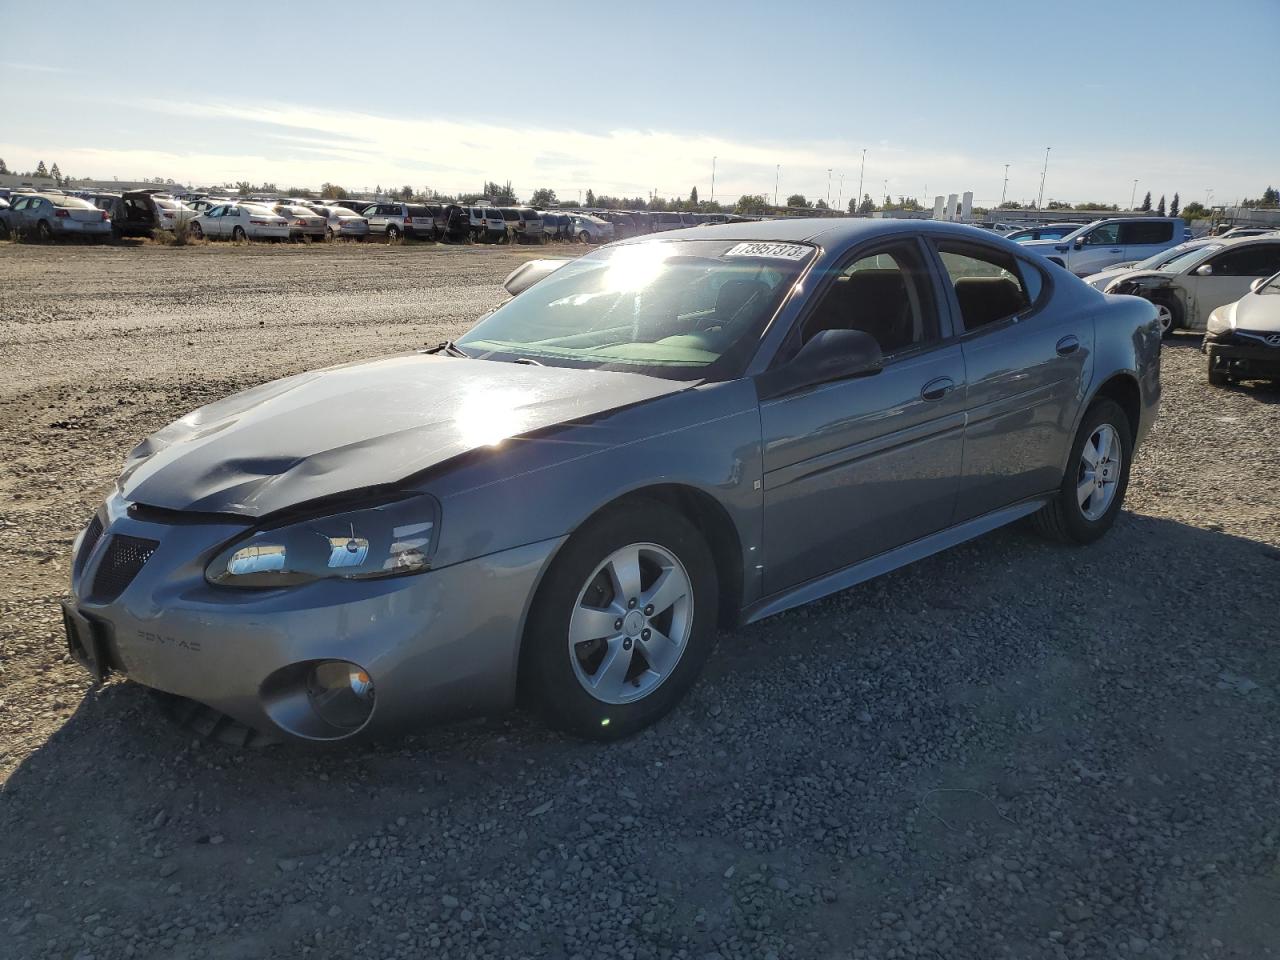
(1180, 263)
(1158, 260)
(1271, 285)
(689, 309)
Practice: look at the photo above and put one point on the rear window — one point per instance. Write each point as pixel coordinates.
(417, 210)
(509, 214)
(73, 203)
(529, 215)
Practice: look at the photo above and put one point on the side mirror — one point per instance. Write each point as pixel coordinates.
(830, 355)
(1204, 270)
(1258, 284)
(1079, 242)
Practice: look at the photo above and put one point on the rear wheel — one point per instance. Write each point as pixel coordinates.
(239, 235)
(328, 233)
(393, 233)
(1168, 313)
(1092, 490)
(622, 624)
(584, 237)
(44, 232)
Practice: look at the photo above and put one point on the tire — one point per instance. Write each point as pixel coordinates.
(328, 233)
(575, 596)
(238, 235)
(1217, 377)
(584, 237)
(4, 230)
(1170, 313)
(44, 233)
(393, 233)
(197, 231)
(1069, 518)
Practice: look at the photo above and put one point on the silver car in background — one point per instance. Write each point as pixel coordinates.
(342, 223)
(590, 229)
(644, 444)
(304, 222)
(46, 217)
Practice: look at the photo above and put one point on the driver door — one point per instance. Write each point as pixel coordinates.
(1100, 248)
(855, 467)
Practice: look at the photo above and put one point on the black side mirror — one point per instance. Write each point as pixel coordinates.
(1079, 242)
(829, 355)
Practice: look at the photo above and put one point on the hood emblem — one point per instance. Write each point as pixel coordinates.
(1273, 340)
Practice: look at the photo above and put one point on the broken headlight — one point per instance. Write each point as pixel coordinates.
(387, 540)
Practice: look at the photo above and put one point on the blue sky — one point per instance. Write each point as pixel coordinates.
(628, 98)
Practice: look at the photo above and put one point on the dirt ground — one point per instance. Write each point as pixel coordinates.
(1014, 749)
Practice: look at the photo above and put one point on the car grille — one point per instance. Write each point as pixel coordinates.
(91, 535)
(123, 559)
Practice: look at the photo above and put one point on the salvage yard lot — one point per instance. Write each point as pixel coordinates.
(1012, 749)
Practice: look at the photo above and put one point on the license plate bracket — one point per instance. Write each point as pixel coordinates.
(86, 642)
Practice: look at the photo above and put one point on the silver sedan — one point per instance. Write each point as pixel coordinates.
(661, 438)
(344, 224)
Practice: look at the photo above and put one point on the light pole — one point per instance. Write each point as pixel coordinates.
(861, 171)
(1208, 195)
(777, 172)
(886, 191)
(840, 195)
(1043, 174)
(1003, 190)
(713, 179)
(1133, 194)
(828, 188)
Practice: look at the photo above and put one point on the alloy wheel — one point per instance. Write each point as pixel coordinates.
(1165, 317)
(631, 623)
(1099, 472)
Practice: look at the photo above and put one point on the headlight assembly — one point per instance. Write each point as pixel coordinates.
(1222, 321)
(386, 540)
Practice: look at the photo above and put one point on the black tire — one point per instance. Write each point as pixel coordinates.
(1217, 376)
(1062, 518)
(1176, 314)
(4, 230)
(238, 234)
(548, 681)
(328, 233)
(584, 237)
(44, 232)
(197, 231)
(393, 233)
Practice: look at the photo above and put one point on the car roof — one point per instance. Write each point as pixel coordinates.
(826, 231)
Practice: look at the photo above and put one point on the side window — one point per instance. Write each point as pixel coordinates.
(988, 285)
(1032, 280)
(1255, 260)
(1137, 232)
(1107, 235)
(885, 294)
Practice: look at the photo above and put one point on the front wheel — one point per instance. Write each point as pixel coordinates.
(239, 235)
(197, 231)
(1218, 377)
(622, 624)
(1093, 488)
(328, 233)
(1168, 314)
(584, 237)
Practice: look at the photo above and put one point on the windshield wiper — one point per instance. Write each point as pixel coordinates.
(448, 348)
(529, 360)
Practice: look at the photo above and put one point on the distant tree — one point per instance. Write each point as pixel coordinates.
(406, 192)
(41, 169)
(543, 197)
(657, 204)
(1195, 210)
(377, 191)
(244, 187)
(3, 169)
(268, 187)
(867, 205)
(751, 203)
(1146, 202)
(500, 194)
(1160, 206)
(1270, 197)
(1058, 205)
(331, 191)
(1095, 205)
(1010, 205)
(55, 173)
(797, 200)
(1174, 206)
(821, 205)
(693, 198)
(591, 198)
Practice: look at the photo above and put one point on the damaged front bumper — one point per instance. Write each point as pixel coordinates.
(1244, 354)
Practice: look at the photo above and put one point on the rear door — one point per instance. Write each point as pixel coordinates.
(859, 466)
(1025, 365)
(1233, 270)
(1145, 238)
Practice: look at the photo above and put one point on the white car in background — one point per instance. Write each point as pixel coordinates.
(1189, 288)
(1102, 280)
(173, 213)
(1242, 339)
(241, 221)
(303, 221)
(590, 229)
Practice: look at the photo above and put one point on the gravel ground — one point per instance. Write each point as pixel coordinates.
(1013, 749)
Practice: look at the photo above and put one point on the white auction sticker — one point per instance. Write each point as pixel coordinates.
(775, 251)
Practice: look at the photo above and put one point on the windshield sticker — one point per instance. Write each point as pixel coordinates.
(775, 251)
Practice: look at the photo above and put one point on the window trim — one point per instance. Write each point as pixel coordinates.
(790, 344)
(959, 330)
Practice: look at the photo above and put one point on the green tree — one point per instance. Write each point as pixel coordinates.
(1174, 206)
(1195, 210)
(1160, 206)
(331, 191)
(657, 203)
(821, 205)
(500, 194)
(244, 187)
(543, 197)
(1146, 202)
(591, 198)
(1010, 205)
(3, 169)
(55, 173)
(693, 198)
(751, 203)
(1058, 205)
(41, 169)
(797, 200)
(867, 205)
(406, 192)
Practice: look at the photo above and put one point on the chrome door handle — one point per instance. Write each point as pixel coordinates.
(1068, 345)
(937, 389)
(1116, 250)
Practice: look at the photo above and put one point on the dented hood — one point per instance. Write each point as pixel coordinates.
(362, 425)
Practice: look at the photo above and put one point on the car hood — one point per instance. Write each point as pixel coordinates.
(359, 426)
(1100, 280)
(1040, 244)
(1257, 312)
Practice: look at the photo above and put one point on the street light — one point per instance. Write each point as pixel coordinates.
(828, 188)
(1043, 174)
(861, 171)
(1003, 190)
(1133, 194)
(777, 172)
(713, 179)
(840, 195)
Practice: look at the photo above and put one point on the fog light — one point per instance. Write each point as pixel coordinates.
(341, 693)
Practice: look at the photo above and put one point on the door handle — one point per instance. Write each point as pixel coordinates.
(1116, 250)
(1068, 345)
(937, 389)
